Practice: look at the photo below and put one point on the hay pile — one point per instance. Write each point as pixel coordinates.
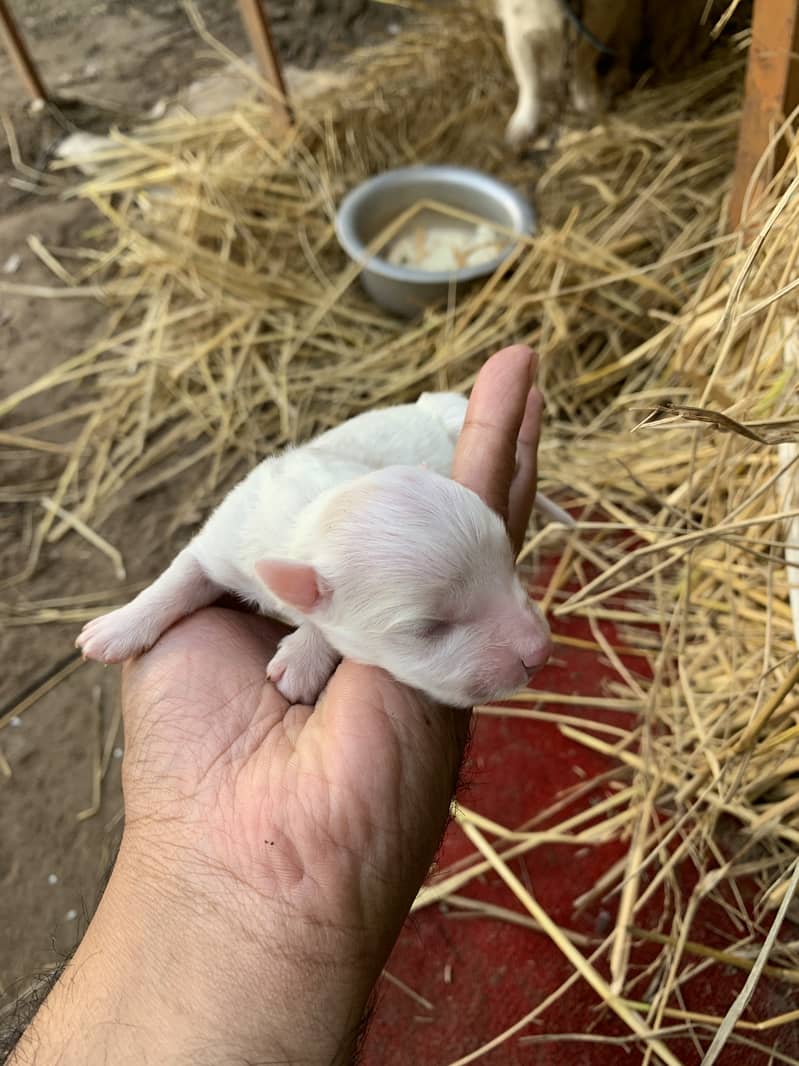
(237, 326)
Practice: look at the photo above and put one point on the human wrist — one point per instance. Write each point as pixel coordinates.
(170, 978)
(237, 975)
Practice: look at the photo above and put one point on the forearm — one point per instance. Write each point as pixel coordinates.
(160, 979)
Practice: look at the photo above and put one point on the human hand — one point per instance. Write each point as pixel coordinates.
(271, 852)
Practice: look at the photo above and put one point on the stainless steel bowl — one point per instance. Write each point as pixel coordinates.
(371, 207)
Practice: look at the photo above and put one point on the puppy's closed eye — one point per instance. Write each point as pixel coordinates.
(434, 629)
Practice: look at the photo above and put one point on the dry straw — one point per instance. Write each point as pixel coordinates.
(668, 359)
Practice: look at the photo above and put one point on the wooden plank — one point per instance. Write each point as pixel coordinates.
(20, 56)
(256, 23)
(771, 93)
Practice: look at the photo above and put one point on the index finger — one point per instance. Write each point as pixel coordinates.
(485, 455)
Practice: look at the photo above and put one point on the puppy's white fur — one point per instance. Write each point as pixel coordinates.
(360, 539)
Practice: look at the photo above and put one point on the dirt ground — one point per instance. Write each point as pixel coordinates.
(54, 847)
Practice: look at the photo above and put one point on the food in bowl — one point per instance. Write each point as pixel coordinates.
(433, 242)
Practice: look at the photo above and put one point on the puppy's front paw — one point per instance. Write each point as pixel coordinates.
(302, 665)
(295, 682)
(114, 637)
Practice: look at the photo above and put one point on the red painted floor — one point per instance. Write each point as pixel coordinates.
(499, 972)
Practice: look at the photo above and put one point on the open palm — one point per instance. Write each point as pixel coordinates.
(311, 807)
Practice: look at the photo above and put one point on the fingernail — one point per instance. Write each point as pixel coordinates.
(542, 408)
(533, 368)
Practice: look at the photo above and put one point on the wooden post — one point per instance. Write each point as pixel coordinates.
(20, 56)
(771, 93)
(256, 24)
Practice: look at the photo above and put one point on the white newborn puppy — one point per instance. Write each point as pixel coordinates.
(360, 540)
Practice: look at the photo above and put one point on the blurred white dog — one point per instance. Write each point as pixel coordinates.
(602, 45)
(535, 41)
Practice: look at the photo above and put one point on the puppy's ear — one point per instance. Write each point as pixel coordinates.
(295, 584)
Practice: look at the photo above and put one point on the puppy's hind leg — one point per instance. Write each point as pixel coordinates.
(183, 587)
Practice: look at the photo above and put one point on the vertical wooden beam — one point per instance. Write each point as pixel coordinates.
(771, 93)
(256, 24)
(20, 56)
